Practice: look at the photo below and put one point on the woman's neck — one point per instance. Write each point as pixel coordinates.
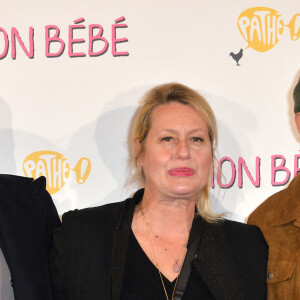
(173, 216)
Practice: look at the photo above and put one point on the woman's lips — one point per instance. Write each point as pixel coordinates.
(181, 172)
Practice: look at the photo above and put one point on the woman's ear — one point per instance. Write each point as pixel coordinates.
(138, 152)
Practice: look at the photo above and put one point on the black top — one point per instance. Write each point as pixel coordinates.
(89, 255)
(142, 280)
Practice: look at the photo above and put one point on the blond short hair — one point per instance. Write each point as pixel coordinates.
(165, 94)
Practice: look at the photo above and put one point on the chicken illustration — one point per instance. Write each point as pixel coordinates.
(237, 56)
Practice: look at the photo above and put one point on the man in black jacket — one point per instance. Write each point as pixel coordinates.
(27, 220)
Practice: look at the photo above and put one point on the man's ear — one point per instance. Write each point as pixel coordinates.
(138, 152)
(297, 121)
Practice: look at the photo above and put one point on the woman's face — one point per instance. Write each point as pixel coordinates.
(177, 156)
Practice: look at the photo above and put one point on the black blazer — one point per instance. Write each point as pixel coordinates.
(89, 255)
(27, 220)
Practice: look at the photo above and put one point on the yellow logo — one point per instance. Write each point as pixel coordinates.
(55, 167)
(294, 27)
(262, 27)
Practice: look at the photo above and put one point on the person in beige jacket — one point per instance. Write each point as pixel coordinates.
(279, 219)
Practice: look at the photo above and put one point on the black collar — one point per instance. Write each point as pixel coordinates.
(121, 237)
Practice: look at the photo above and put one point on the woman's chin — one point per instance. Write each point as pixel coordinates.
(185, 191)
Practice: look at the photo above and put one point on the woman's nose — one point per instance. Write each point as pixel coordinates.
(183, 150)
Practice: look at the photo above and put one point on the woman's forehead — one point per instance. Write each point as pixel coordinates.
(175, 114)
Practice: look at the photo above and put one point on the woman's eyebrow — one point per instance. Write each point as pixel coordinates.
(171, 130)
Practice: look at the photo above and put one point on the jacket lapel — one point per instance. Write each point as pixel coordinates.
(121, 237)
(215, 264)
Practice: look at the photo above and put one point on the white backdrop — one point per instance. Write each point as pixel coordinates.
(80, 107)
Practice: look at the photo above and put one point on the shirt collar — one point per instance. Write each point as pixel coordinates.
(289, 206)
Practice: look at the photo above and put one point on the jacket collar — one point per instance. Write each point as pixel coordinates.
(214, 262)
(121, 237)
(289, 206)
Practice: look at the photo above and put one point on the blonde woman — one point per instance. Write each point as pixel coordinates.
(164, 242)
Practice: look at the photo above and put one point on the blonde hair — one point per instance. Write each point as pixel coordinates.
(165, 94)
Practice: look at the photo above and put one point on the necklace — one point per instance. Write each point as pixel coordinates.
(176, 266)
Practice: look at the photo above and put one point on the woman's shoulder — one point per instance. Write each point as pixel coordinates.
(241, 230)
(92, 211)
(105, 216)
(244, 235)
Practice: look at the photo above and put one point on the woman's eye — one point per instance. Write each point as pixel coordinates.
(196, 139)
(167, 139)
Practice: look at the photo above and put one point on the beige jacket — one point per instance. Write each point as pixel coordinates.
(279, 220)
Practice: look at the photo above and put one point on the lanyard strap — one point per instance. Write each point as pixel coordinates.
(194, 240)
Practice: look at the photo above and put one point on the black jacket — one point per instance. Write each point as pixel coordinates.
(89, 255)
(27, 220)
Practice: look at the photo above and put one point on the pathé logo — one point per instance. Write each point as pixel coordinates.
(55, 167)
(262, 27)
